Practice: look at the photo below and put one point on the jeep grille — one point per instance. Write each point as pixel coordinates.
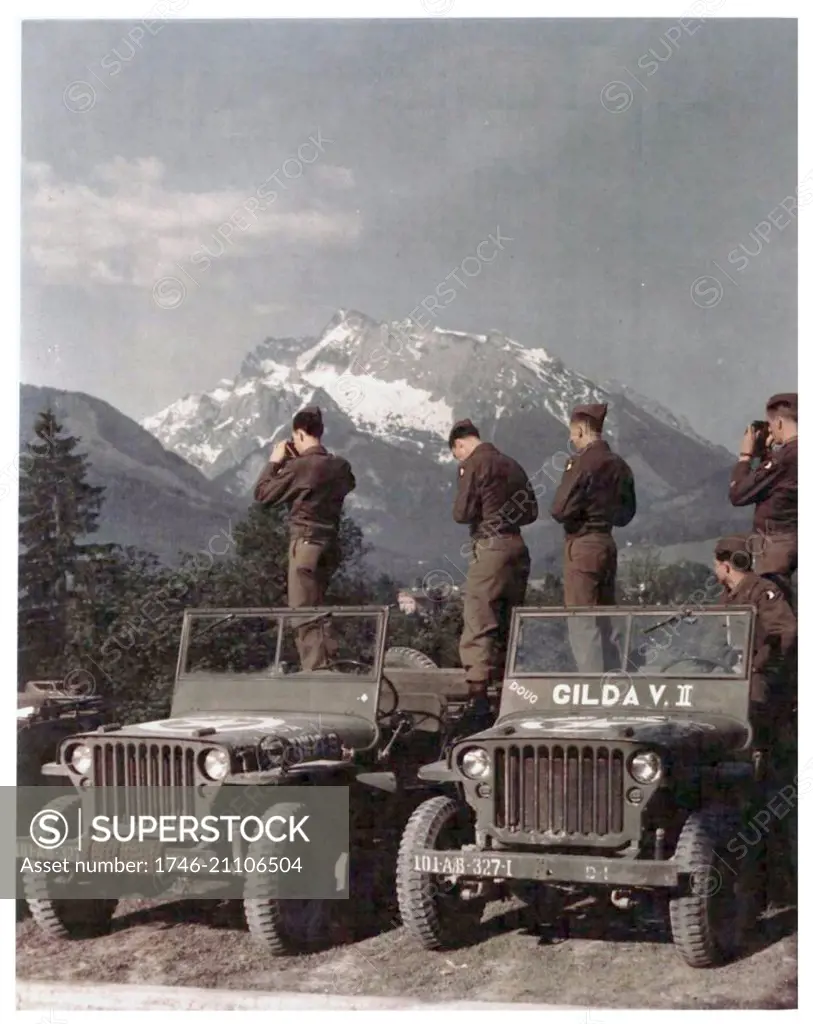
(150, 770)
(559, 789)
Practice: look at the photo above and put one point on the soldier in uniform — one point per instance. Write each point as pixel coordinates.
(596, 493)
(775, 631)
(769, 482)
(494, 499)
(313, 483)
(773, 691)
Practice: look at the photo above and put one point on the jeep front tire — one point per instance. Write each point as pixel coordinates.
(284, 926)
(56, 914)
(432, 907)
(66, 918)
(711, 921)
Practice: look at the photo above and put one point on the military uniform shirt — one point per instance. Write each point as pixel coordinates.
(494, 496)
(775, 627)
(772, 486)
(314, 484)
(596, 492)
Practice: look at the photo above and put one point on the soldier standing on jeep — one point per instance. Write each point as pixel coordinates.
(494, 499)
(766, 476)
(773, 674)
(313, 483)
(596, 493)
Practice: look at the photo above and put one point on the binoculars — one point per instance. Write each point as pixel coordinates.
(761, 430)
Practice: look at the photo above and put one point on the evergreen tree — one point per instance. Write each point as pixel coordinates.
(108, 614)
(58, 508)
(257, 573)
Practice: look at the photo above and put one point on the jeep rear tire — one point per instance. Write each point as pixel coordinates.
(407, 657)
(432, 907)
(712, 921)
(283, 926)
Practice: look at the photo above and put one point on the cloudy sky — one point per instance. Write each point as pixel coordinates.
(191, 188)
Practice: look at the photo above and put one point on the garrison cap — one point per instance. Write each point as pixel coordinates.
(735, 549)
(790, 398)
(462, 428)
(597, 411)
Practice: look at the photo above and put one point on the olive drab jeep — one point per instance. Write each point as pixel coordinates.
(641, 777)
(243, 711)
(46, 715)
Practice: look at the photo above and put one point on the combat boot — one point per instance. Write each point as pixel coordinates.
(478, 714)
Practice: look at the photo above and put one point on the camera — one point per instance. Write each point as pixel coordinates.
(760, 429)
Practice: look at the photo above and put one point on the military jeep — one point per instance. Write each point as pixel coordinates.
(48, 711)
(46, 715)
(244, 712)
(639, 779)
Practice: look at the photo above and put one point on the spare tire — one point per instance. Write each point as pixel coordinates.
(407, 657)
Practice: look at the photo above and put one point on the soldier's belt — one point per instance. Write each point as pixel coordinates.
(316, 535)
(484, 538)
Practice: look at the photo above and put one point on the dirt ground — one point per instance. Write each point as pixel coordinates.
(594, 956)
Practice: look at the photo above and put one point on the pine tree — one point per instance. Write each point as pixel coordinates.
(58, 508)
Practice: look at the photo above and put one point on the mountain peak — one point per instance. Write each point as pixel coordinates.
(404, 385)
(390, 391)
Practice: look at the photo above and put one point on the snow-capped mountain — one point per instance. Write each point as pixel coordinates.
(390, 392)
(217, 429)
(655, 409)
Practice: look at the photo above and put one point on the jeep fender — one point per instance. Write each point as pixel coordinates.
(384, 781)
(437, 771)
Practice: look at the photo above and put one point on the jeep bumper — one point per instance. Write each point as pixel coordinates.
(501, 864)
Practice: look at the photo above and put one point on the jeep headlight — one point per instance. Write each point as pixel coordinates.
(475, 763)
(645, 767)
(81, 759)
(216, 764)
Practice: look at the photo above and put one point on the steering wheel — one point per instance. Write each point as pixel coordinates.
(709, 663)
(395, 696)
(360, 666)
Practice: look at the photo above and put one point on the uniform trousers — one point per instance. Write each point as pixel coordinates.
(311, 565)
(495, 585)
(590, 565)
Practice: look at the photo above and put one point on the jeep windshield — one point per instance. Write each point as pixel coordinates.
(629, 662)
(654, 641)
(271, 644)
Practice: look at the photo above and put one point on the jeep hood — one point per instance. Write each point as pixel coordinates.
(239, 729)
(704, 732)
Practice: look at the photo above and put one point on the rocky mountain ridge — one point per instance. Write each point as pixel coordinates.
(390, 392)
